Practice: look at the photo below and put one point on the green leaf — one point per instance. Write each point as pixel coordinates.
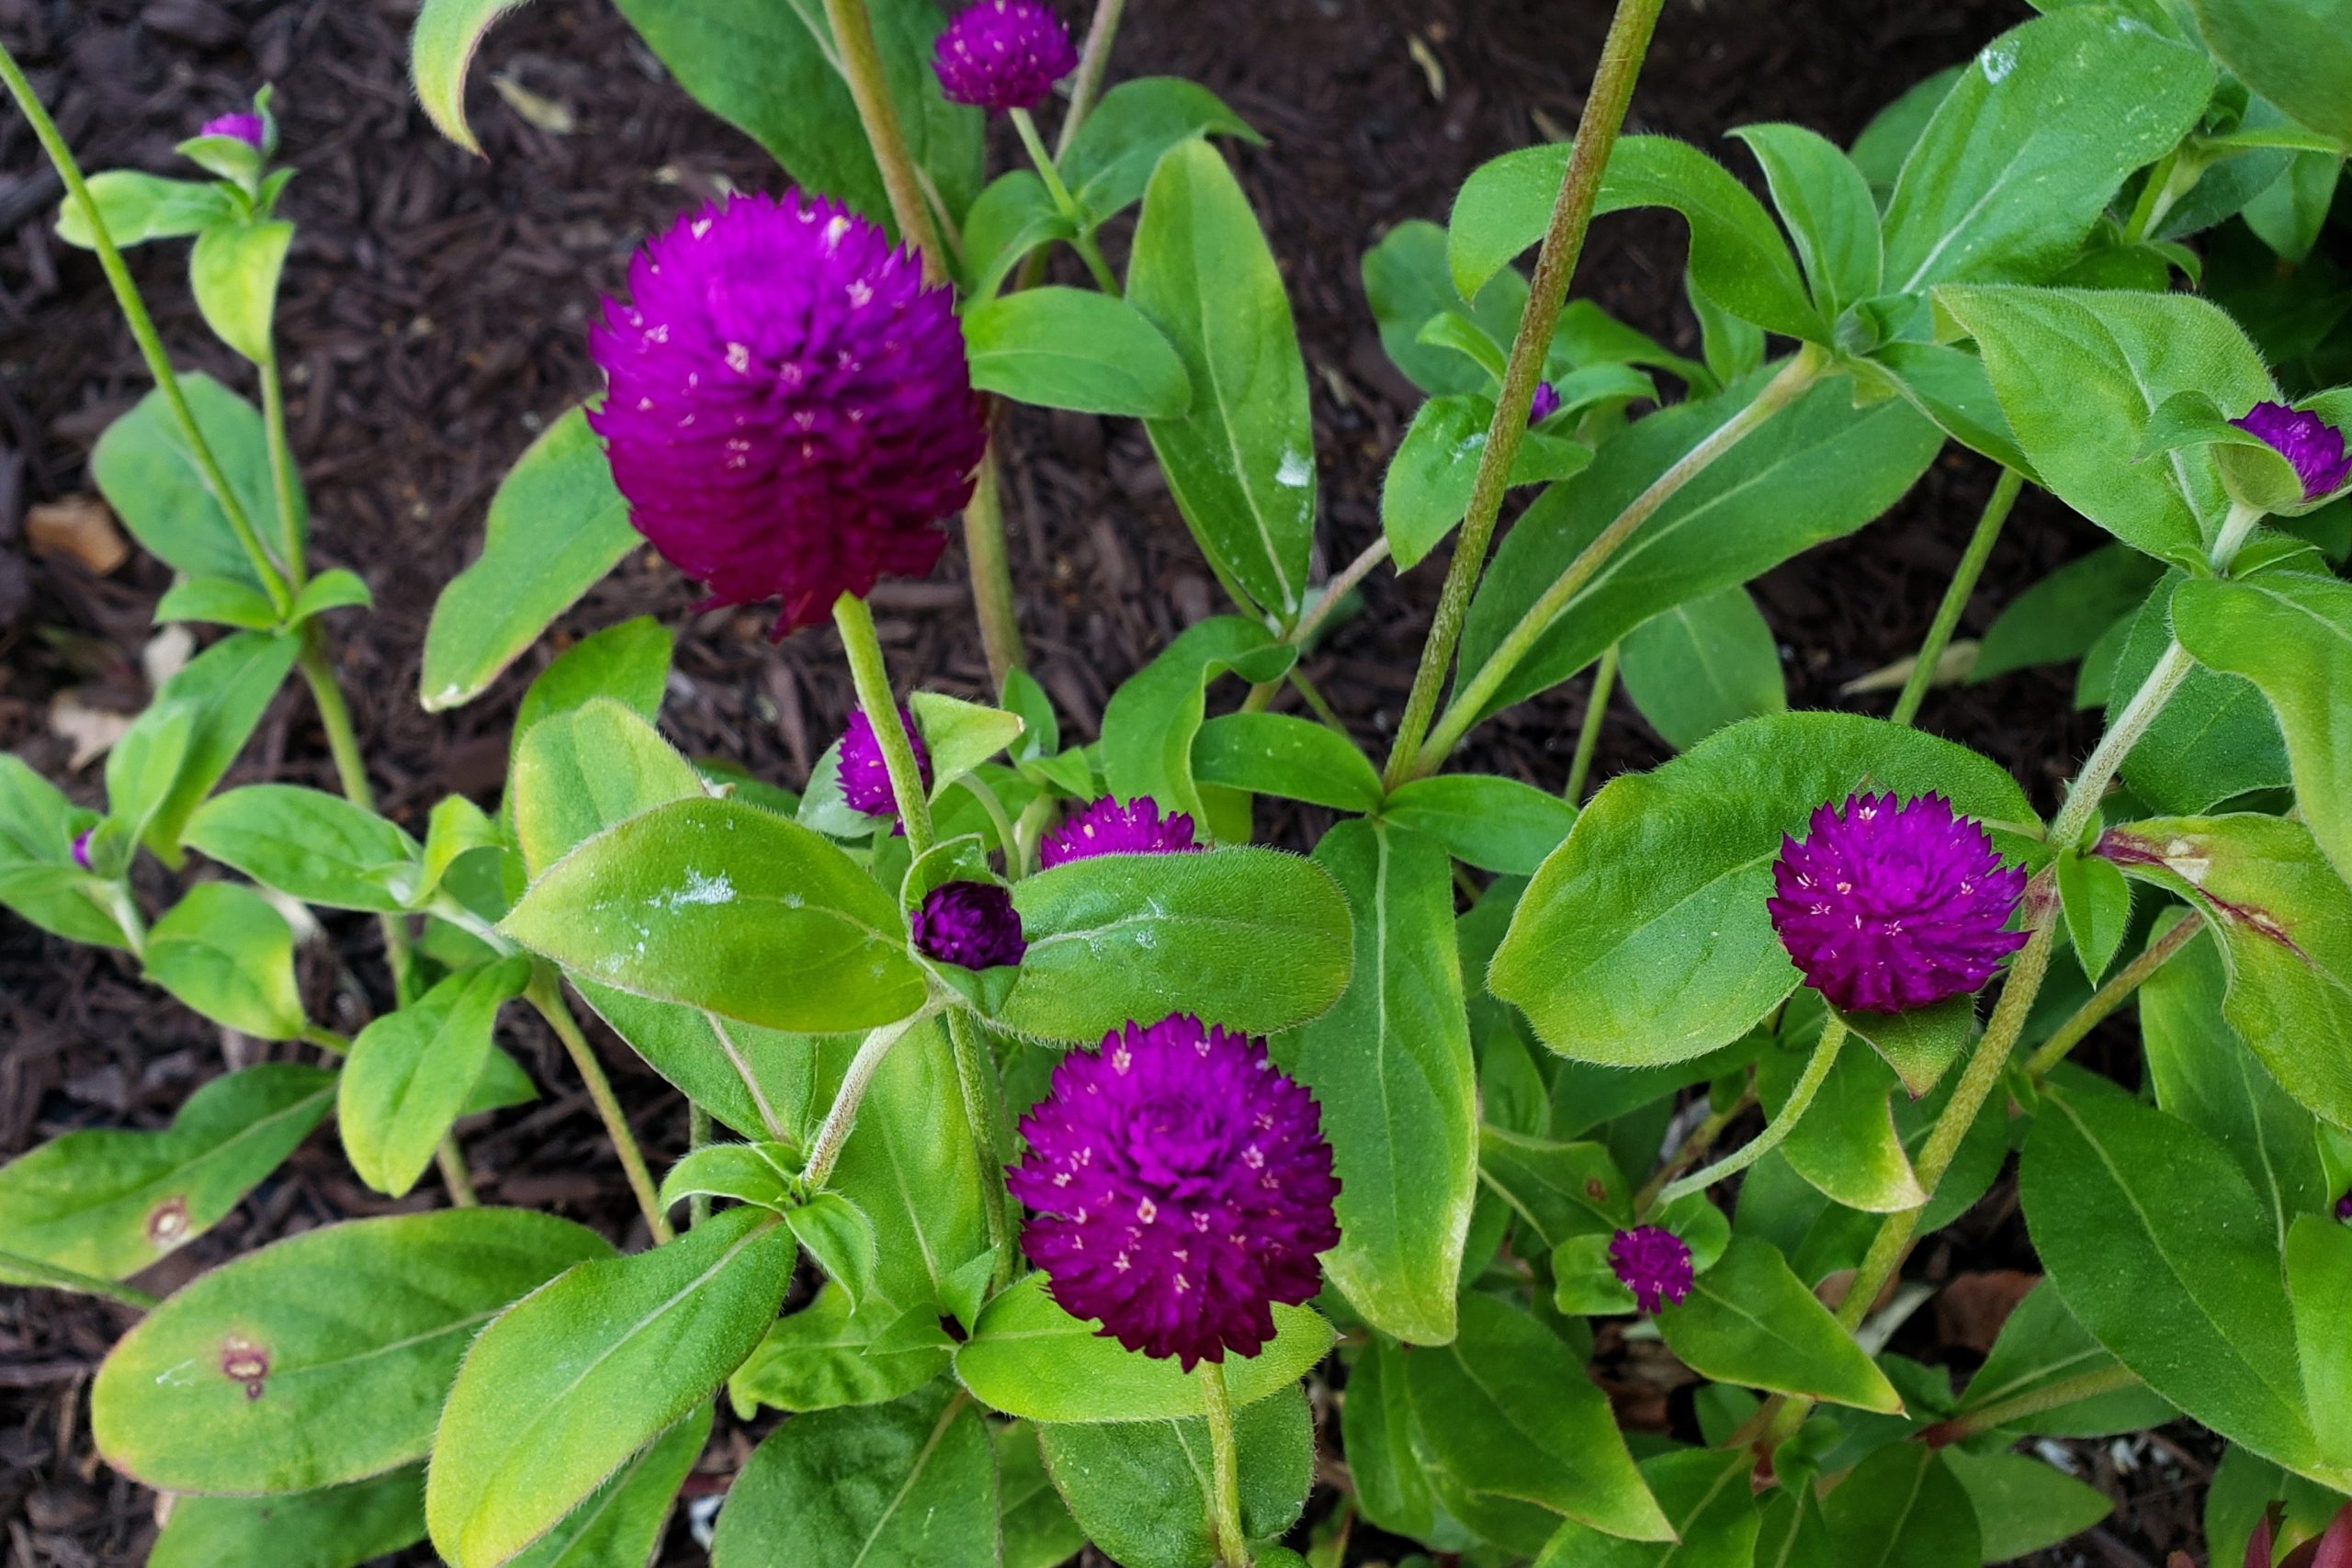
(909, 1164)
(1028, 1357)
(1408, 286)
(627, 663)
(620, 1523)
(1826, 202)
(1846, 1143)
(108, 1203)
(1010, 218)
(1038, 1531)
(1376, 1430)
(1273, 753)
(1241, 465)
(1072, 348)
(219, 696)
(321, 1359)
(145, 469)
(2041, 1347)
(2292, 636)
(1887, 140)
(1645, 939)
(334, 589)
(455, 827)
(1141, 1490)
(578, 773)
(569, 1383)
(1495, 824)
(1111, 160)
(1556, 1190)
(316, 847)
(339, 1527)
(825, 1356)
(2318, 1279)
(2022, 1505)
(1504, 1410)
(226, 952)
(1707, 1498)
(1149, 723)
(1737, 256)
(2098, 905)
(1749, 1320)
(722, 905)
(557, 525)
(742, 1074)
(234, 271)
(2285, 920)
(1902, 1508)
(960, 736)
(2080, 375)
(914, 1481)
(1948, 385)
(1429, 480)
(1253, 938)
(137, 208)
(841, 1238)
(2215, 740)
(1922, 1044)
(770, 72)
(2160, 1249)
(2294, 52)
(1391, 1068)
(221, 601)
(1817, 470)
(1702, 665)
(2058, 619)
(411, 1071)
(440, 49)
(762, 1173)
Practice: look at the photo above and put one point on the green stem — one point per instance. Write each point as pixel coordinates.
(281, 469)
(1318, 704)
(983, 1109)
(1604, 114)
(2236, 528)
(826, 1147)
(2156, 197)
(992, 596)
(697, 1135)
(1093, 62)
(1703, 1138)
(869, 88)
(1964, 583)
(1604, 681)
(1800, 1100)
(543, 995)
(1992, 1418)
(327, 1039)
(40, 1272)
(2108, 997)
(453, 1175)
(1225, 1511)
(1083, 239)
(142, 329)
(1470, 701)
(872, 679)
(2090, 785)
(1336, 589)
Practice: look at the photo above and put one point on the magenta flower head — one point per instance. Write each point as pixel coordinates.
(865, 777)
(789, 411)
(1653, 1263)
(1107, 828)
(81, 847)
(1547, 403)
(247, 128)
(970, 924)
(2312, 446)
(1887, 908)
(1003, 55)
(2344, 1208)
(1180, 1187)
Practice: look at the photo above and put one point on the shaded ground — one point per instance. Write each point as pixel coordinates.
(434, 318)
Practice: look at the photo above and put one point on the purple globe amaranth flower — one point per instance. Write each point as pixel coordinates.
(2312, 446)
(2344, 1208)
(1887, 908)
(1107, 828)
(1180, 1188)
(1653, 1263)
(247, 128)
(790, 413)
(1003, 55)
(1547, 403)
(970, 924)
(81, 847)
(865, 777)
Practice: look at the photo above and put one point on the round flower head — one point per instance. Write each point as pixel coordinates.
(789, 413)
(1107, 828)
(2344, 1208)
(1003, 55)
(970, 924)
(1180, 1187)
(1653, 1263)
(1887, 908)
(2313, 446)
(1546, 404)
(865, 777)
(81, 847)
(247, 128)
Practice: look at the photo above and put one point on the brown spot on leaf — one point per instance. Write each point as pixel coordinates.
(167, 1221)
(1596, 1189)
(242, 1360)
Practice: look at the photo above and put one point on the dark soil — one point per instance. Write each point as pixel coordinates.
(432, 321)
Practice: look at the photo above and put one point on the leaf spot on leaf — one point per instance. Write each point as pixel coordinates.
(167, 1221)
(242, 1360)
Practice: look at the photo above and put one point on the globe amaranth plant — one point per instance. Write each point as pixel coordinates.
(1109, 1134)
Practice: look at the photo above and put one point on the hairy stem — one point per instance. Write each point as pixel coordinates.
(1336, 589)
(1082, 241)
(1225, 1513)
(281, 470)
(1470, 702)
(2090, 784)
(1093, 62)
(1595, 706)
(544, 995)
(869, 88)
(697, 1135)
(984, 1110)
(1964, 583)
(826, 1147)
(1604, 114)
(872, 679)
(1992, 1418)
(1800, 1100)
(992, 596)
(2112, 995)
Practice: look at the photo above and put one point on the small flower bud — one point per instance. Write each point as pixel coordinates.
(969, 923)
(246, 127)
(1653, 1263)
(1547, 403)
(2312, 446)
(1003, 55)
(865, 777)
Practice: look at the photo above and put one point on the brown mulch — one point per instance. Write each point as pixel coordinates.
(432, 321)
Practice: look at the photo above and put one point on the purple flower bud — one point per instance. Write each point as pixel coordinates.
(2344, 1208)
(1653, 1264)
(865, 777)
(1180, 1186)
(970, 924)
(1003, 55)
(789, 410)
(249, 128)
(1546, 404)
(2313, 446)
(1107, 828)
(82, 847)
(1888, 907)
